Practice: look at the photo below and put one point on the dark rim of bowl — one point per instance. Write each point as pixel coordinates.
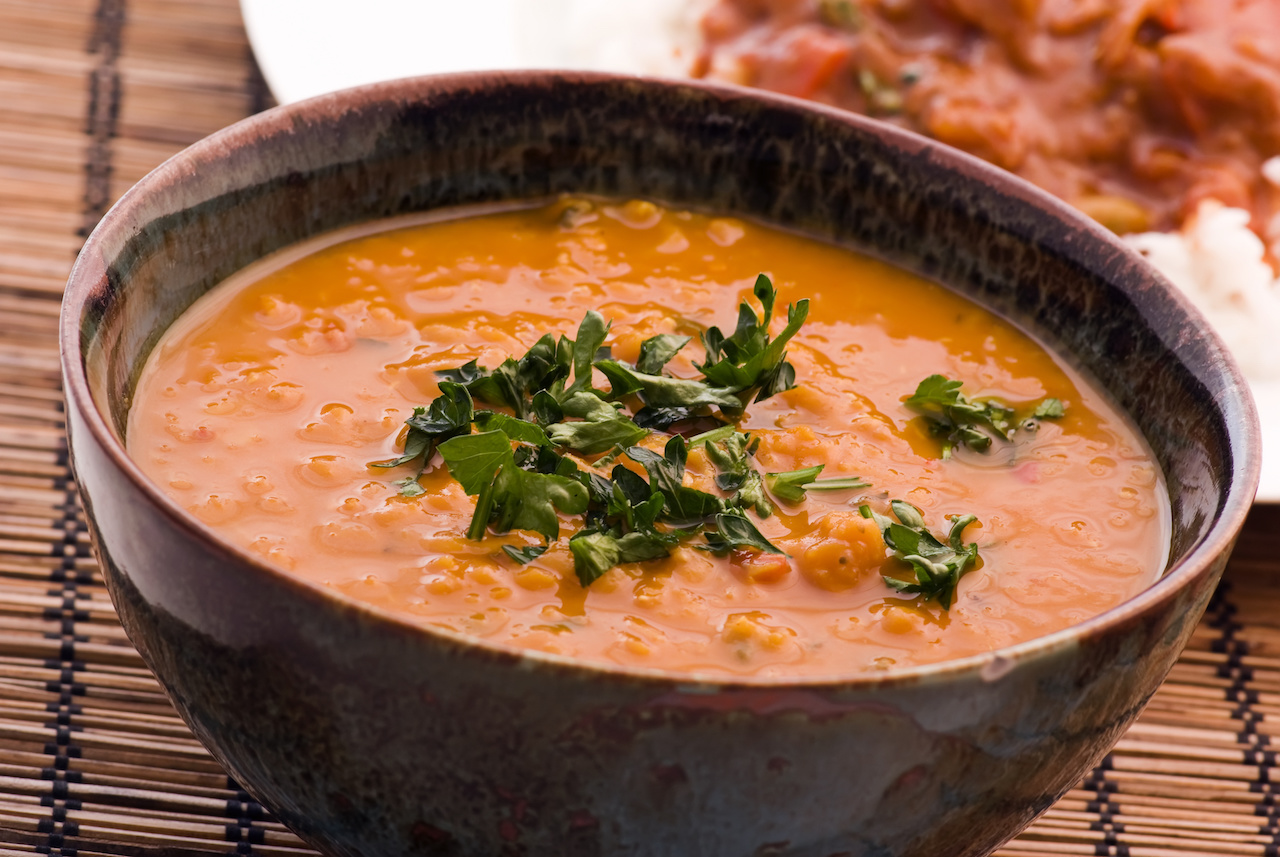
(1236, 405)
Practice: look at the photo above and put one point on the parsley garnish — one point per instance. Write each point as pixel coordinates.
(511, 465)
(663, 391)
(509, 497)
(938, 566)
(731, 455)
(657, 351)
(748, 362)
(1050, 409)
(684, 505)
(449, 415)
(597, 551)
(733, 529)
(958, 420)
(514, 382)
(524, 555)
(838, 483)
(625, 530)
(594, 436)
(791, 485)
(516, 429)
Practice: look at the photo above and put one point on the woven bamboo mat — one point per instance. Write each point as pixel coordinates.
(94, 761)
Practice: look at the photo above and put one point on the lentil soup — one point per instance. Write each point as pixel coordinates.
(267, 408)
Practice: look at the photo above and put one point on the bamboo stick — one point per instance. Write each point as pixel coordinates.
(46, 308)
(49, 219)
(1125, 807)
(174, 824)
(31, 375)
(32, 312)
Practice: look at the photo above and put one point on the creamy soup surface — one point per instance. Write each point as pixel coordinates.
(263, 408)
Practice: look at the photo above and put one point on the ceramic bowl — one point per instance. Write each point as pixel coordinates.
(370, 736)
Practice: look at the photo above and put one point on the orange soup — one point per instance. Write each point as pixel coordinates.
(275, 411)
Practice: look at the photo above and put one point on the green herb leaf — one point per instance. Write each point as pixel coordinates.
(499, 387)
(684, 505)
(524, 555)
(508, 497)
(450, 411)
(937, 566)
(591, 336)
(415, 444)
(955, 418)
(545, 363)
(748, 362)
(731, 456)
(789, 485)
(955, 535)
(484, 509)
(590, 437)
(594, 552)
(663, 391)
(1050, 409)
(907, 514)
(635, 490)
(838, 483)
(409, 486)
(518, 430)
(449, 415)
(589, 406)
(732, 530)
(661, 419)
(546, 409)
(528, 501)
(465, 374)
(474, 459)
(514, 383)
(657, 351)
(792, 485)
(713, 436)
(598, 487)
(781, 379)
(634, 506)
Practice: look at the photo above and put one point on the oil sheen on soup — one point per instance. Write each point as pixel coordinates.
(271, 410)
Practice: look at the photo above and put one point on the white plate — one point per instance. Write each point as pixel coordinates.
(308, 47)
(1268, 398)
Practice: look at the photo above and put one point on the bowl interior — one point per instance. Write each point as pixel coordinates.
(405, 147)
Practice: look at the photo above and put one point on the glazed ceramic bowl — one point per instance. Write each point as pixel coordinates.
(370, 736)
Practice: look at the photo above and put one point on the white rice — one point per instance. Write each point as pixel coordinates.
(654, 37)
(1220, 264)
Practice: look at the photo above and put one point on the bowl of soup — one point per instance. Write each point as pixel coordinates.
(545, 463)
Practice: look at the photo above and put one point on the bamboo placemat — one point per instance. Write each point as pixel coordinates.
(94, 761)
